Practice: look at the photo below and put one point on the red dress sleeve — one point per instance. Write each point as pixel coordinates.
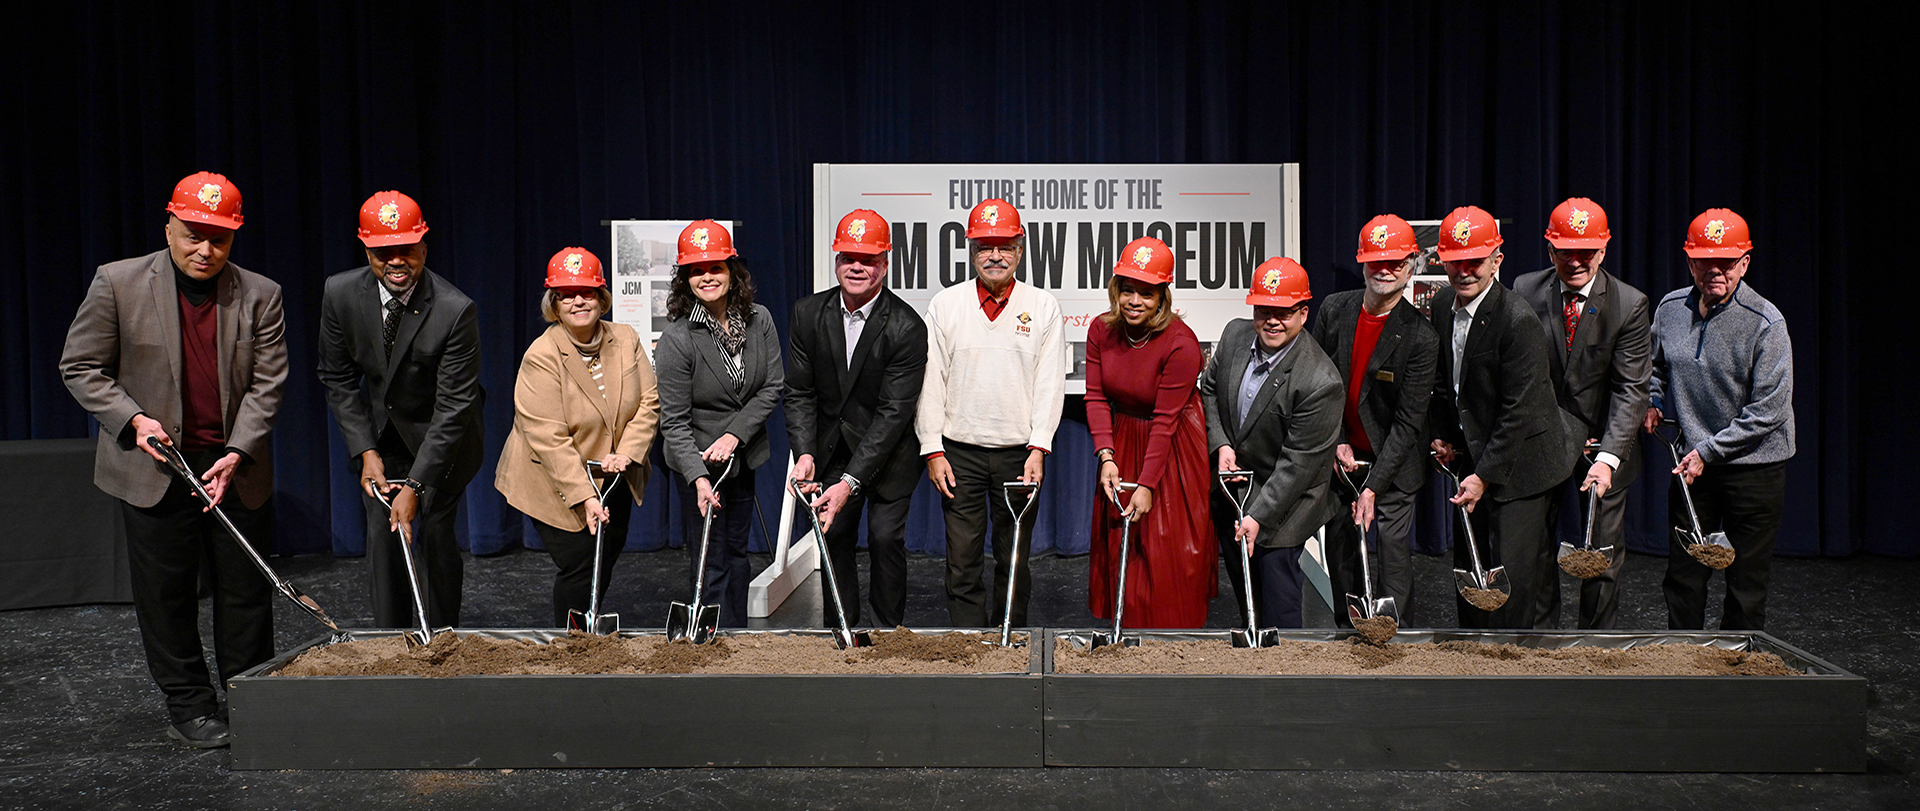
(1099, 413)
(1178, 374)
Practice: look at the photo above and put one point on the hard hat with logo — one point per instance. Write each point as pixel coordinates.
(994, 219)
(1718, 233)
(207, 198)
(391, 218)
(1468, 233)
(574, 267)
(1386, 238)
(1279, 282)
(1146, 259)
(1578, 223)
(862, 232)
(704, 241)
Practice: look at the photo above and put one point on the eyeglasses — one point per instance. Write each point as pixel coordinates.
(570, 293)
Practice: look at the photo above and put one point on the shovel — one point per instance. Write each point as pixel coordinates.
(594, 622)
(1593, 512)
(694, 621)
(1102, 638)
(424, 635)
(1692, 538)
(1250, 636)
(1364, 606)
(1480, 578)
(299, 598)
(843, 636)
(1013, 560)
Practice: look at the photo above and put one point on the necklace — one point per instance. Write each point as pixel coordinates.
(1127, 332)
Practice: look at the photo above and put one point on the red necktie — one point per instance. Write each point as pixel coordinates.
(1573, 316)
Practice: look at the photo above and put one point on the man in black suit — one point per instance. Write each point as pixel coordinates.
(1273, 408)
(400, 357)
(1494, 415)
(856, 357)
(1601, 356)
(1385, 352)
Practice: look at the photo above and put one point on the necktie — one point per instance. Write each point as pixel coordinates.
(1572, 313)
(392, 325)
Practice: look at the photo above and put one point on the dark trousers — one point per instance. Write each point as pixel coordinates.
(1392, 559)
(979, 474)
(728, 571)
(1746, 502)
(436, 554)
(167, 546)
(1600, 594)
(886, 559)
(573, 553)
(1516, 533)
(1277, 577)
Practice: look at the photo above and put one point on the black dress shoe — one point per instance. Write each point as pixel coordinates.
(205, 732)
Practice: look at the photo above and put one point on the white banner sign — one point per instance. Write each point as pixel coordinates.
(1221, 220)
(642, 272)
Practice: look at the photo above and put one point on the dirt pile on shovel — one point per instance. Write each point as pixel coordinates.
(1584, 563)
(1376, 630)
(1711, 556)
(1484, 599)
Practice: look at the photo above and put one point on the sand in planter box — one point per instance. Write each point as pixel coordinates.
(1453, 658)
(1711, 556)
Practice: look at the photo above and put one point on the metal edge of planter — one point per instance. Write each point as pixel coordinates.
(1803, 723)
(651, 720)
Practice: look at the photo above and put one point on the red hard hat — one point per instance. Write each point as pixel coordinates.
(862, 232)
(704, 241)
(206, 197)
(994, 219)
(574, 267)
(390, 218)
(1279, 282)
(1468, 233)
(1146, 259)
(1718, 233)
(1578, 223)
(1386, 238)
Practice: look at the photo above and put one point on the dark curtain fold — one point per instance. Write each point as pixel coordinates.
(521, 126)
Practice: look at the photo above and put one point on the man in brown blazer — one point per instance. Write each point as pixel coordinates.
(183, 346)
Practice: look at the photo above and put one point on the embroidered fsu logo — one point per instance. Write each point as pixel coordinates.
(990, 215)
(1378, 236)
(1025, 318)
(1141, 256)
(699, 238)
(1716, 231)
(572, 263)
(1270, 281)
(1577, 220)
(210, 195)
(1460, 232)
(857, 230)
(390, 215)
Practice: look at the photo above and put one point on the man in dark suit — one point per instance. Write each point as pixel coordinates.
(187, 348)
(855, 360)
(400, 357)
(1601, 356)
(1273, 408)
(1385, 352)
(1494, 415)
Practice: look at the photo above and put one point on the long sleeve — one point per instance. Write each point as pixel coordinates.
(930, 415)
(751, 419)
(802, 403)
(1209, 398)
(1627, 383)
(91, 358)
(1306, 455)
(905, 371)
(1406, 442)
(1050, 376)
(260, 404)
(456, 390)
(1174, 382)
(539, 416)
(341, 375)
(1769, 403)
(1099, 412)
(675, 360)
(637, 438)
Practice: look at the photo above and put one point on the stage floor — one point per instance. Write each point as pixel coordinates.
(84, 723)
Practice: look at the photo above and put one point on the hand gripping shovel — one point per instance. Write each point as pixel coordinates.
(1101, 638)
(1697, 543)
(1365, 606)
(1250, 636)
(292, 592)
(843, 637)
(1013, 563)
(594, 622)
(1578, 561)
(423, 636)
(694, 621)
(1485, 589)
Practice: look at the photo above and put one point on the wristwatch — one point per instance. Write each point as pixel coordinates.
(417, 488)
(853, 484)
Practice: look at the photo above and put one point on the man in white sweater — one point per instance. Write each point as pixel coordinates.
(996, 376)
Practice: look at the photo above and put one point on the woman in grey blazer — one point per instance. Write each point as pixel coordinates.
(718, 362)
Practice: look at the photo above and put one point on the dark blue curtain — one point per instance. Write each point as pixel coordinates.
(520, 127)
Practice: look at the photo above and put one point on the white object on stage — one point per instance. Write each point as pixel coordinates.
(793, 561)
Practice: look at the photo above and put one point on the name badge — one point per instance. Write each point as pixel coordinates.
(1383, 376)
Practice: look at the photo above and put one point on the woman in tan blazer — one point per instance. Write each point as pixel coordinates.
(585, 391)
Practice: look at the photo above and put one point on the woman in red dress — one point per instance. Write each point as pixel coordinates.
(1143, 364)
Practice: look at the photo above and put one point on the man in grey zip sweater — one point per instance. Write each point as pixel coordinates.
(1723, 367)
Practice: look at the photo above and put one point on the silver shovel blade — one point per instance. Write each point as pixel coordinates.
(706, 624)
(1565, 550)
(306, 604)
(1386, 607)
(1358, 609)
(588, 623)
(698, 627)
(1719, 539)
(1467, 579)
(1497, 580)
(1102, 639)
(844, 639)
(1263, 638)
(679, 622)
(421, 639)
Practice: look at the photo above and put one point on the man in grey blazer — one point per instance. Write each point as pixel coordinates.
(185, 347)
(1494, 416)
(400, 357)
(856, 357)
(1600, 353)
(1273, 408)
(1385, 352)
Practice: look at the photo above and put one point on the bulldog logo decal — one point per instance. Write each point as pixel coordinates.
(389, 215)
(209, 195)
